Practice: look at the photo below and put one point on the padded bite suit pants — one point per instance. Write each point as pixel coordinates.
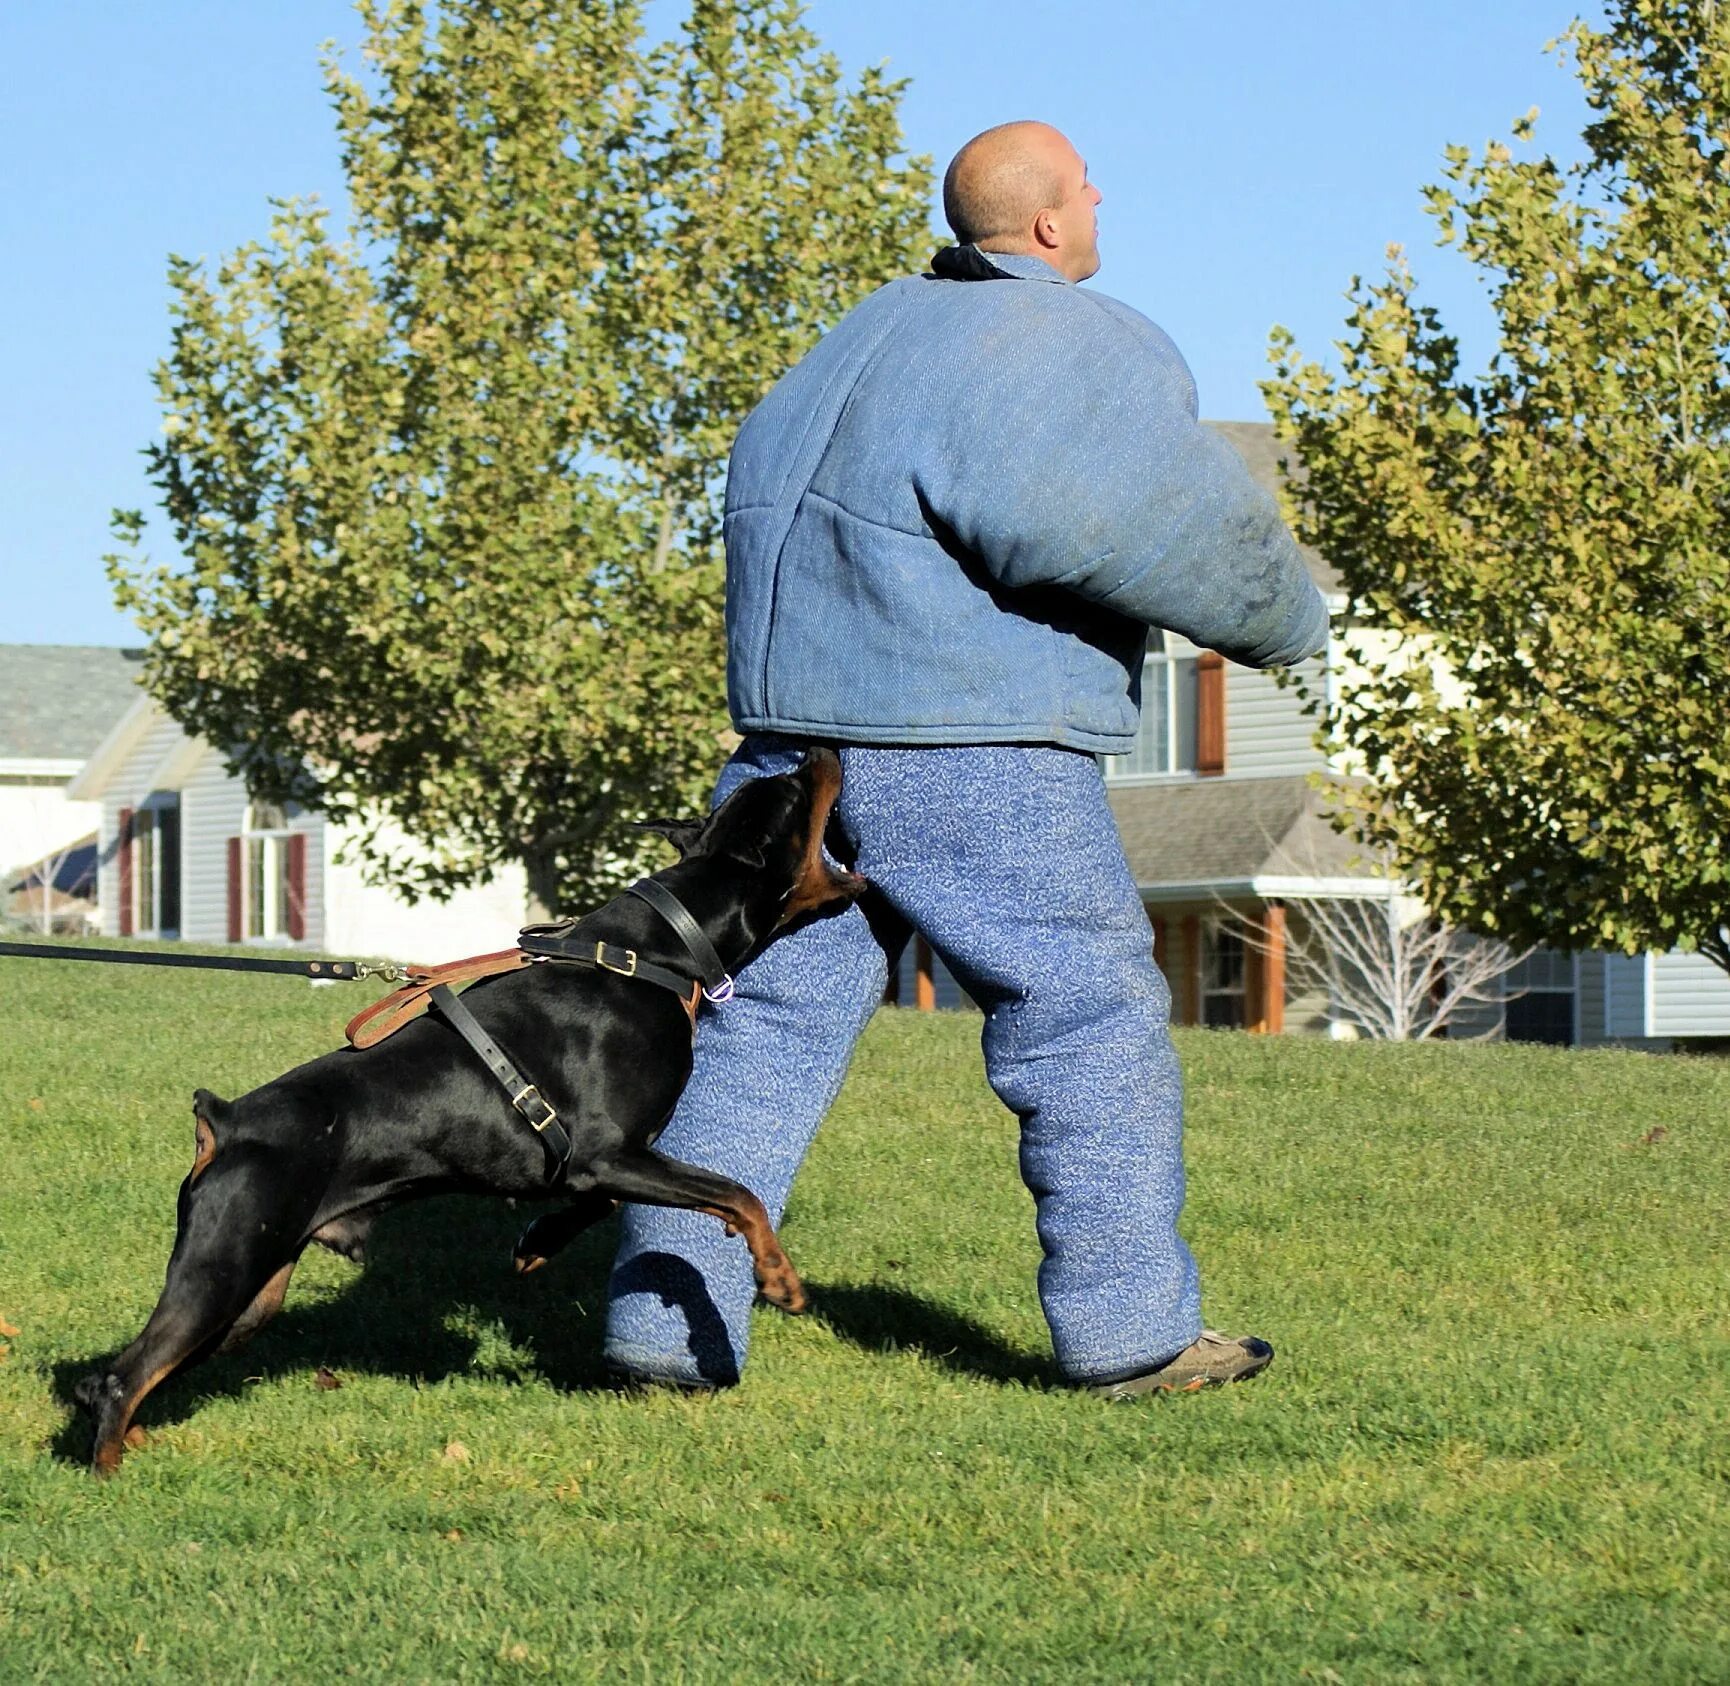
(1007, 860)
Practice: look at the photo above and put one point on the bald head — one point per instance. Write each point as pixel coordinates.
(1022, 187)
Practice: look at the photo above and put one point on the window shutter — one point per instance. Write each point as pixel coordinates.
(234, 889)
(168, 867)
(1210, 714)
(123, 847)
(297, 886)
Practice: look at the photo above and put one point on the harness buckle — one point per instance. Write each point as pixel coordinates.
(607, 965)
(529, 1096)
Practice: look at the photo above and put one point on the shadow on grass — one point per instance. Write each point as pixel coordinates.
(881, 1319)
(437, 1288)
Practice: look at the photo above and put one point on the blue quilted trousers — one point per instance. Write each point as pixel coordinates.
(1007, 860)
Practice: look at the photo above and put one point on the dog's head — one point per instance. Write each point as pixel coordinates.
(773, 829)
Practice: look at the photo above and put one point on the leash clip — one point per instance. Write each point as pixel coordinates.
(723, 991)
(390, 972)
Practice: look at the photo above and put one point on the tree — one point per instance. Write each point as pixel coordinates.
(1543, 550)
(448, 490)
(1387, 968)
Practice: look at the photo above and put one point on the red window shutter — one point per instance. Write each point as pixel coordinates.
(1210, 714)
(297, 886)
(235, 933)
(123, 848)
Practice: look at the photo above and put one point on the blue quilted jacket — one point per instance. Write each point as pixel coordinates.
(954, 520)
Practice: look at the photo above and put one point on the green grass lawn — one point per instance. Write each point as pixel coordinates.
(1493, 1446)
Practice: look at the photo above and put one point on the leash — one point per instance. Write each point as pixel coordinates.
(347, 971)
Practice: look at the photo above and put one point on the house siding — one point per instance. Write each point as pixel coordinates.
(1690, 996)
(1266, 731)
(1624, 997)
(129, 788)
(369, 921)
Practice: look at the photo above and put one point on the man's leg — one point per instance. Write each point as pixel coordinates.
(1008, 860)
(768, 1065)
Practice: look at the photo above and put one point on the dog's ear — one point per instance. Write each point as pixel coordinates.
(682, 834)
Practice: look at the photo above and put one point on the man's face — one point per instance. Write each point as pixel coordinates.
(1077, 221)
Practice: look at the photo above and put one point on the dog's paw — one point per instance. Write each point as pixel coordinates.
(527, 1262)
(784, 1289)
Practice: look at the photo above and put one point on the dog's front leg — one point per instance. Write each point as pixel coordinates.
(553, 1231)
(653, 1179)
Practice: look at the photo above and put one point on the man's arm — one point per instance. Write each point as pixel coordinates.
(1099, 479)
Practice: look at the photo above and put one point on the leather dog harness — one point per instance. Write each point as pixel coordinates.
(554, 944)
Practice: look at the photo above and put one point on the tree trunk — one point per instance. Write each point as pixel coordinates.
(541, 865)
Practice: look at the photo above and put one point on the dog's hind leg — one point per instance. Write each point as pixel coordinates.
(655, 1180)
(553, 1231)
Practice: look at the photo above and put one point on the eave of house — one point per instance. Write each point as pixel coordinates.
(1270, 887)
(92, 781)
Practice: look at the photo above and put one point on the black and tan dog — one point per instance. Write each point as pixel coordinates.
(317, 1154)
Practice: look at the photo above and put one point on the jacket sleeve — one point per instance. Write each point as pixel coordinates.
(1092, 473)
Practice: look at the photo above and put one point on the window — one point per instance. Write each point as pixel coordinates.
(1223, 975)
(1545, 1013)
(1165, 741)
(154, 846)
(267, 891)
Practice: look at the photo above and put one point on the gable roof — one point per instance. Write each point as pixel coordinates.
(1192, 838)
(59, 701)
(1261, 452)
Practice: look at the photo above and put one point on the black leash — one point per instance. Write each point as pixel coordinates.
(348, 971)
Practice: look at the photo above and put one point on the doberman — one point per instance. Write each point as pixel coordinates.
(317, 1154)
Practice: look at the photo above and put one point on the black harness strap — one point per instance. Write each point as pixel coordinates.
(551, 942)
(536, 1110)
(695, 939)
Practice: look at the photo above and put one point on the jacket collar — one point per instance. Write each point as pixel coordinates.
(968, 263)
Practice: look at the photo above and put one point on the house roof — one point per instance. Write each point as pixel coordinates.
(1215, 836)
(1261, 452)
(59, 701)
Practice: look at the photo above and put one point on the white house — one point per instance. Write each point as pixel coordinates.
(57, 702)
(186, 854)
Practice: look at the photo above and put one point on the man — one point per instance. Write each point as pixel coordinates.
(949, 528)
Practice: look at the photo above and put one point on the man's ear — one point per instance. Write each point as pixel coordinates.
(682, 834)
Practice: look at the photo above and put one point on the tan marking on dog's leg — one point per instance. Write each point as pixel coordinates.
(265, 1305)
(776, 1277)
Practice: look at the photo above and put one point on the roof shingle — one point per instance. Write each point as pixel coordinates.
(59, 701)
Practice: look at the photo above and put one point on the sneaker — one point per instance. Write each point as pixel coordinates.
(1206, 1362)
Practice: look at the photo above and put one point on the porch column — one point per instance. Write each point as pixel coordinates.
(924, 978)
(1188, 991)
(1267, 975)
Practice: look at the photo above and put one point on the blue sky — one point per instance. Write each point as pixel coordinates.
(1253, 157)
